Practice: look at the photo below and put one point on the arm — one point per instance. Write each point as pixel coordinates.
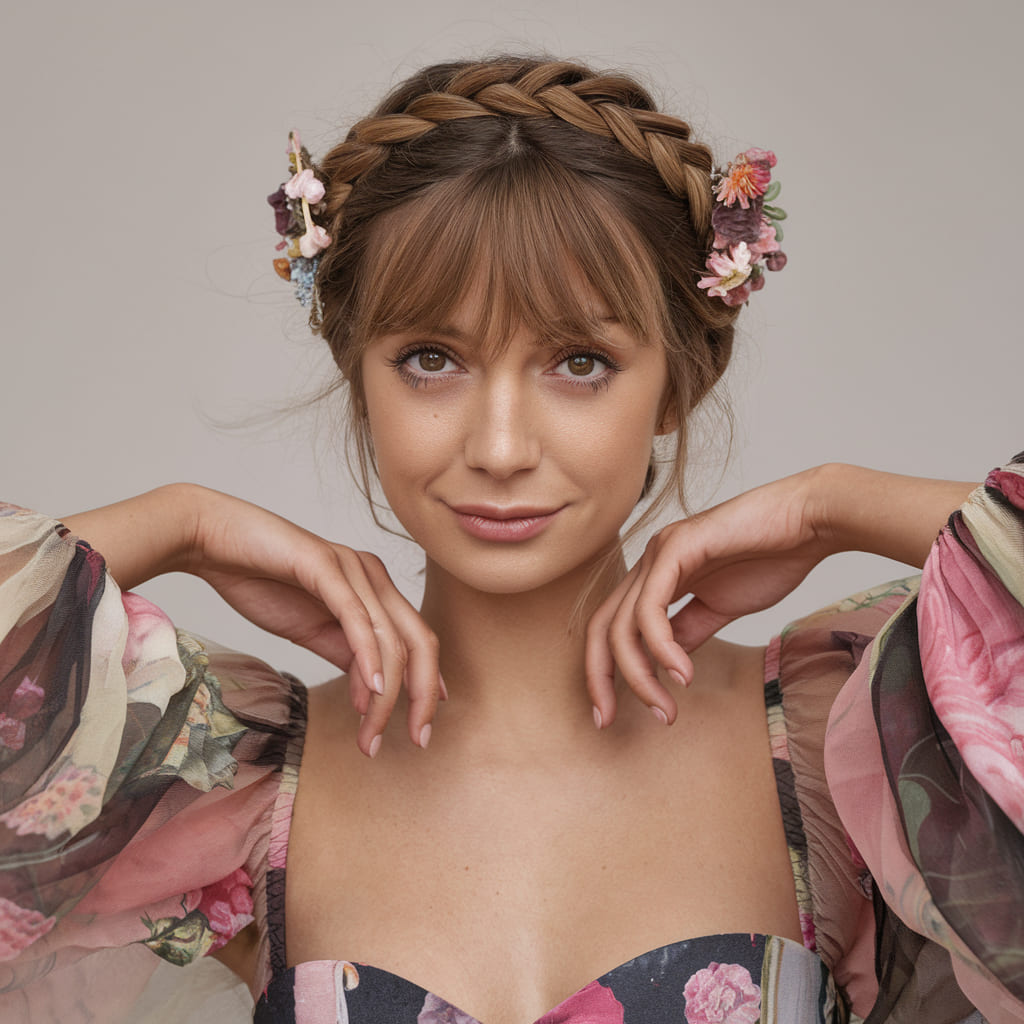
(744, 555)
(338, 603)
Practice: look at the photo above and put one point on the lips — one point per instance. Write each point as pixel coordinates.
(514, 523)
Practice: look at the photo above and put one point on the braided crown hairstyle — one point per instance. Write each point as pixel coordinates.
(526, 177)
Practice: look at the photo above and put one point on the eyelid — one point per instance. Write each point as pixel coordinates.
(592, 349)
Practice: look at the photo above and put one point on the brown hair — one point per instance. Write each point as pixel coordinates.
(525, 171)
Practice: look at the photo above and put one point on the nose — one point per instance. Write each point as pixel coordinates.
(502, 436)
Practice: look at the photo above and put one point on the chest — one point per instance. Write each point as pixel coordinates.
(552, 871)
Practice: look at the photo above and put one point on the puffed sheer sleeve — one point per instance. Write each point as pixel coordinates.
(139, 771)
(925, 762)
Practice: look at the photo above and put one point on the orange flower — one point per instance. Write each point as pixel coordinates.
(746, 177)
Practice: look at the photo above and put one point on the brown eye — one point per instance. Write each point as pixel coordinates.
(580, 365)
(432, 362)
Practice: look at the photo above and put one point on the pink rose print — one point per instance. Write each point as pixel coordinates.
(722, 994)
(150, 633)
(26, 700)
(970, 629)
(227, 905)
(594, 1004)
(20, 927)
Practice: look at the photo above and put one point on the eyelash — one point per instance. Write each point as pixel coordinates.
(401, 359)
(597, 383)
(400, 362)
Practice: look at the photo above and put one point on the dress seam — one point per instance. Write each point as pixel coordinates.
(280, 827)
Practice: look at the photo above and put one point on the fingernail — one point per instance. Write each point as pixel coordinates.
(678, 677)
(598, 720)
(444, 689)
(378, 682)
(425, 736)
(374, 746)
(658, 714)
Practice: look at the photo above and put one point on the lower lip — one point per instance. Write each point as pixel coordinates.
(504, 529)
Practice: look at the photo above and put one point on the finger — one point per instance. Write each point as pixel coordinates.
(422, 676)
(631, 657)
(599, 662)
(695, 622)
(348, 595)
(358, 691)
(652, 620)
(371, 728)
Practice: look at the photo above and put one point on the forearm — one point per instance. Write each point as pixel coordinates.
(144, 536)
(884, 513)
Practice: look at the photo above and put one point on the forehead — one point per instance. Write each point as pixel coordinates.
(559, 263)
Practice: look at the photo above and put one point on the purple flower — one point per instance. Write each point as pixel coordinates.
(282, 211)
(736, 223)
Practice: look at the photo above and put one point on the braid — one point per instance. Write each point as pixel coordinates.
(609, 106)
(518, 175)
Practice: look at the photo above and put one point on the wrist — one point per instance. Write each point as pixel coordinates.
(898, 517)
(145, 536)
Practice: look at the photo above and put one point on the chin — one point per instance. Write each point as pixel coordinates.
(517, 573)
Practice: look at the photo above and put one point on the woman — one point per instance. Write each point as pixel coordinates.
(528, 278)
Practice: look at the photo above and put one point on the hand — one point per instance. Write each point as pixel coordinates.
(338, 603)
(739, 557)
(745, 555)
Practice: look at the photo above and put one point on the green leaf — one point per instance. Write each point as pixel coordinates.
(774, 212)
(772, 191)
(778, 233)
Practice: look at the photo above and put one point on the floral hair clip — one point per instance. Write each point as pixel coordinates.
(293, 205)
(747, 228)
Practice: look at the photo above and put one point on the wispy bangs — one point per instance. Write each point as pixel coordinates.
(532, 239)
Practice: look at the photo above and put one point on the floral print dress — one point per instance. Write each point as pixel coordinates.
(147, 776)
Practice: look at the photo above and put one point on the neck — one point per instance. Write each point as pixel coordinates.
(515, 661)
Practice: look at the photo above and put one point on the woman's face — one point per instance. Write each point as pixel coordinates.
(512, 468)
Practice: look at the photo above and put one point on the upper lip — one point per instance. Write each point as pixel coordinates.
(507, 512)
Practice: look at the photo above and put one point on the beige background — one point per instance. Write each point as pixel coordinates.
(140, 139)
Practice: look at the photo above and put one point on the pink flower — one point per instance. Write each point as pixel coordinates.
(20, 927)
(970, 628)
(227, 905)
(730, 269)
(313, 241)
(594, 1004)
(722, 994)
(761, 156)
(305, 185)
(766, 241)
(151, 636)
(26, 700)
(748, 176)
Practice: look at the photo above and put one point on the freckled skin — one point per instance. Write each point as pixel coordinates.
(524, 427)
